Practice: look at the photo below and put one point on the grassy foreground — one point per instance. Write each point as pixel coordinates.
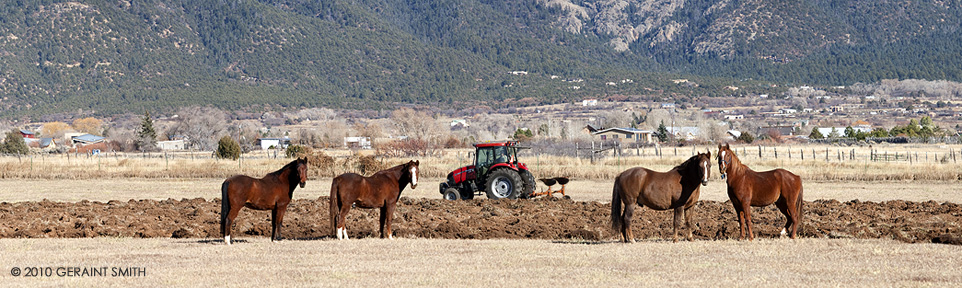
(254, 261)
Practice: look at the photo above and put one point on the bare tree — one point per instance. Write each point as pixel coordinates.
(615, 118)
(414, 124)
(203, 126)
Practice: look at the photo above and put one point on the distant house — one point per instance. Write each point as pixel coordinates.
(687, 133)
(783, 130)
(27, 134)
(667, 105)
(41, 143)
(86, 139)
(591, 129)
(625, 135)
(179, 144)
(862, 125)
(734, 117)
(837, 108)
(589, 102)
(787, 111)
(274, 143)
(734, 134)
(357, 142)
(459, 124)
(519, 72)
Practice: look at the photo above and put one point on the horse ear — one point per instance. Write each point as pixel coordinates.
(727, 146)
(417, 162)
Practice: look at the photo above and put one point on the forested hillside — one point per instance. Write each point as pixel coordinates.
(115, 56)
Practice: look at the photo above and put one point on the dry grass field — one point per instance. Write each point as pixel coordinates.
(928, 163)
(473, 263)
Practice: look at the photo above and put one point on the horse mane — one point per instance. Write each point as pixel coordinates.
(291, 165)
(392, 169)
(684, 165)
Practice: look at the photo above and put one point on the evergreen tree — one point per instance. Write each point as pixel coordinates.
(834, 133)
(227, 148)
(662, 132)
(14, 143)
(850, 132)
(147, 136)
(816, 134)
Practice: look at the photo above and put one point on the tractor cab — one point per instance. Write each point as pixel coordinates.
(491, 154)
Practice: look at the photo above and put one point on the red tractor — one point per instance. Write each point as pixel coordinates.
(496, 172)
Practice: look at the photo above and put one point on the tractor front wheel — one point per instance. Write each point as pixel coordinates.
(452, 194)
(503, 183)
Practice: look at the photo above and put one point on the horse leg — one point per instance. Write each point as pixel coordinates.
(277, 217)
(229, 220)
(748, 222)
(388, 216)
(792, 215)
(688, 213)
(679, 214)
(626, 228)
(783, 207)
(341, 221)
(383, 220)
(741, 223)
(274, 225)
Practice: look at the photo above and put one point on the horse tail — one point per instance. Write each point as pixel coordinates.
(800, 201)
(616, 219)
(224, 207)
(334, 210)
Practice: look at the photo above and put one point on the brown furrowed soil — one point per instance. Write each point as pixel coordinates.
(545, 218)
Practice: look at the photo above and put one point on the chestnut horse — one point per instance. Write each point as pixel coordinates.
(676, 189)
(273, 192)
(381, 190)
(747, 188)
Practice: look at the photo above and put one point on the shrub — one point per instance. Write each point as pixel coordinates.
(14, 144)
(294, 151)
(227, 148)
(746, 137)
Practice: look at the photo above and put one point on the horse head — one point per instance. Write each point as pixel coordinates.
(725, 156)
(302, 170)
(412, 169)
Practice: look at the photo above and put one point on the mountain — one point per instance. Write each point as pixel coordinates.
(116, 56)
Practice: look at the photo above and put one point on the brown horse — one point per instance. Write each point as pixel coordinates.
(273, 192)
(676, 189)
(381, 190)
(747, 188)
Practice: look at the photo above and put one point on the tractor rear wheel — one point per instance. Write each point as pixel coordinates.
(452, 194)
(504, 183)
(529, 184)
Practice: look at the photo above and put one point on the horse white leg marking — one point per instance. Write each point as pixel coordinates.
(227, 240)
(345, 234)
(784, 233)
(390, 237)
(340, 233)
